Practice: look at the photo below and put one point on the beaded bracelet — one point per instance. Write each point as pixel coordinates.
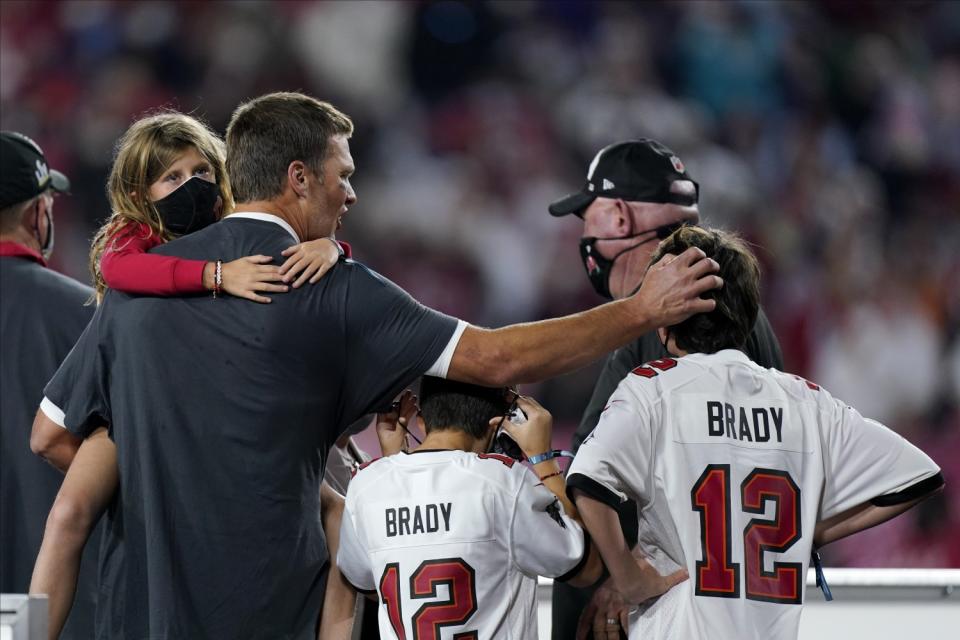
(550, 475)
(218, 278)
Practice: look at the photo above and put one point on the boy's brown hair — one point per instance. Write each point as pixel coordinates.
(738, 301)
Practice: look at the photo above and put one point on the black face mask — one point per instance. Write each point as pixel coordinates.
(190, 208)
(598, 267)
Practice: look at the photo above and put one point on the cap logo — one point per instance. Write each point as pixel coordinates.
(607, 185)
(677, 165)
(42, 173)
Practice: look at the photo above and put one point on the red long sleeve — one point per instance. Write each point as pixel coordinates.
(126, 265)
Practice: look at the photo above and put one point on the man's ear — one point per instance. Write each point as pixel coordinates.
(35, 215)
(29, 214)
(297, 178)
(624, 217)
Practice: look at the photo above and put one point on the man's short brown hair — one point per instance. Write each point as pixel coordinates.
(729, 324)
(267, 133)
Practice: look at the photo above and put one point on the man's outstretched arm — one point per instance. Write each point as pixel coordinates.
(536, 351)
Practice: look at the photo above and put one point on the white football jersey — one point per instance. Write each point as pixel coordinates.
(454, 542)
(732, 466)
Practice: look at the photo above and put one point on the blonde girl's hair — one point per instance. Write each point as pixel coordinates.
(141, 155)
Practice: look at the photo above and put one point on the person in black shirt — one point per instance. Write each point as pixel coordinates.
(42, 313)
(223, 412)
(637, 193)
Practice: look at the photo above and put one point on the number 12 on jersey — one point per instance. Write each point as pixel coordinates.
(430, 618)
(717, 575)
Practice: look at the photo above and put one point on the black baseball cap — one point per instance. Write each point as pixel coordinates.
(23, 170)
(642, 170)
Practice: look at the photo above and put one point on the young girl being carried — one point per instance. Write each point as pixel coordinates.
(168, 179)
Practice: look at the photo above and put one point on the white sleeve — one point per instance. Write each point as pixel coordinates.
(614, 462)
(52, 411)
(352, 557)
(442, 365)
(864, 460)
(544, 540)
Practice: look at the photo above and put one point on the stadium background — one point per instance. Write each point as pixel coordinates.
(827, 132)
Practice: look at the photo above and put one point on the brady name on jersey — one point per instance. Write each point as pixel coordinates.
(722, 422)
(400, 521)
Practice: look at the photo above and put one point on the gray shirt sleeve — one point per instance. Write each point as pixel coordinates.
(79, 387)
(391, 340)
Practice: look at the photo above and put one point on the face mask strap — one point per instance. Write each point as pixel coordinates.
(36, 221)
(47, 245)
(632, 247)
(599, 277)
(589, 247)
(662, 232)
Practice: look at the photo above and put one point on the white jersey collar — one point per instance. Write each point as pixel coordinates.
(425, 456)
(267, 217)
(726, 355)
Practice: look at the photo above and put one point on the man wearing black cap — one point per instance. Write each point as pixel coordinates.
(42, 313)
(636, 193)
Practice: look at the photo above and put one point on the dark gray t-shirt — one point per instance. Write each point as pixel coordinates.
(222, 411)
(42, 313)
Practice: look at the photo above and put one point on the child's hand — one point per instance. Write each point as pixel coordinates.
(313, 258)
(244, 277)
(391, 431)
(535, 435)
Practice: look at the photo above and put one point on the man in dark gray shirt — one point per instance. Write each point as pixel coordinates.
(222, 413)
(637, 193)
(42, 314)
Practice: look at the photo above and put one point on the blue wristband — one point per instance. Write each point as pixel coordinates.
(549, 455)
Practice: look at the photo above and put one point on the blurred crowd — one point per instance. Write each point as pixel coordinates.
(828, 133)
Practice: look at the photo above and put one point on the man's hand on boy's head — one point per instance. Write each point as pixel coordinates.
(671, 288)
(535, 435)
